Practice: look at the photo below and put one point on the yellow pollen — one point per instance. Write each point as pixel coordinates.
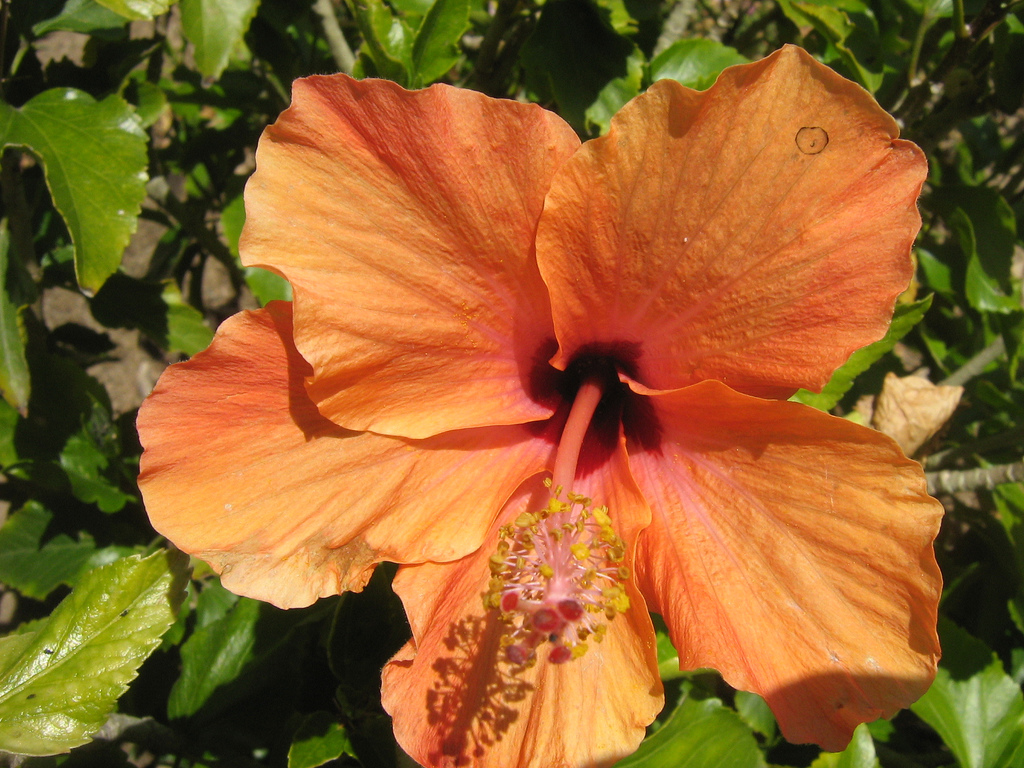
(525, 520)
(556, 579)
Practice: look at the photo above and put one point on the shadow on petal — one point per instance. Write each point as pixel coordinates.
(471, 699)
(824, 709)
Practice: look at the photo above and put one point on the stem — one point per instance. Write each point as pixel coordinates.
(954, 481)
(587, 399)
(915, 55)
(959, 27)
(932, 84)
(339, 46)
(976, 364)
(5, 13)
(1010, 437)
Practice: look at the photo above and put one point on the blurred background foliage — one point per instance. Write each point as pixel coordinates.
(128, 129)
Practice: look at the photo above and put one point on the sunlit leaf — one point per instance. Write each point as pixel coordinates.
(695, 63)
(94, 155)
(137, 9)
(435, 48)
(904, 319)
(860, 753)
(755, 712)
(59, 682)
(84, 16)
(975, 707)
(387, 39)
(832, 21)
(616, 93)
(320, 739)
(698, 734)
(33, 570)
(215, 28)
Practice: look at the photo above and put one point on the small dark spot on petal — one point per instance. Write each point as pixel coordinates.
(811, 140)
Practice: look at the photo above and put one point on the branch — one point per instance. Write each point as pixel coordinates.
(954, 480)
(339, 46)
(933, 85)
(1011, 437)
(976, 364)
(675, 26)
(491, 46)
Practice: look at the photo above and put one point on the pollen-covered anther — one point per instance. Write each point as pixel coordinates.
(558, 578)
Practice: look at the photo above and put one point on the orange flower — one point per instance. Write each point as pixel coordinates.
(481, 302)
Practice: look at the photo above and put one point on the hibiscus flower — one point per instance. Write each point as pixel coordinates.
(483, 304)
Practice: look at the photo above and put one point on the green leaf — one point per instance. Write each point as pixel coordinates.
(187, 331)
(213, 656)
(137, 9)
(319, 739)
(387, 40)
(695, 63)
(986, 230)
(266, 286)
(35, 571)
(435, 49)
(572, 55)
(982, 288)
(86, 17)
(90, 458)
(698, 734)
(755, 712)
(832, 21)
(213, 603)
(615, 95)
(1009, 500)
(95, 156)
(1009, 52)
(15, 382)
(158, 310)
(150, 103)
(905, 317)
(59, 683)
(938, 276)
(215, 28)
(975, 707)
(86, 466)
(668, 656)
(860, 753)
(9, 419)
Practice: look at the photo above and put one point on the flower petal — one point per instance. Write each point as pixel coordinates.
(405, 222)
(241, 470)
(756, 233)
(456, 701)
(791, 551)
